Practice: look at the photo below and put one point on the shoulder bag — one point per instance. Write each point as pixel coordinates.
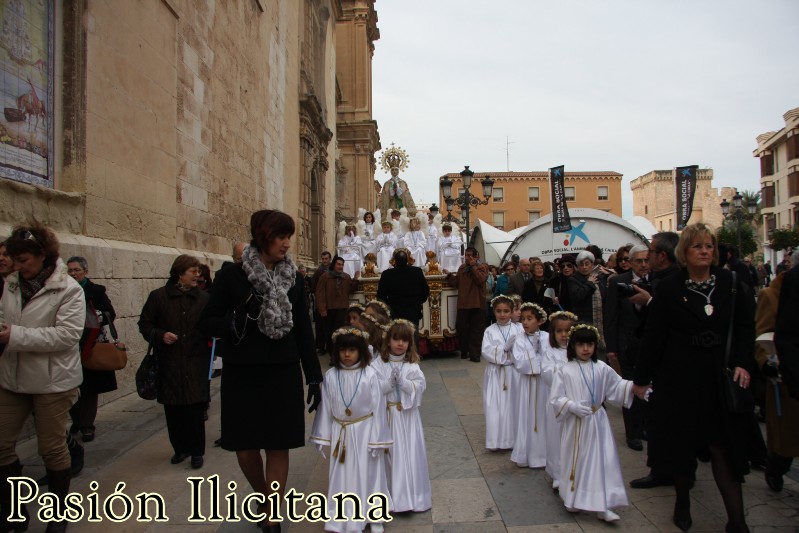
(107, 355)
(147, 374)
(738, 399)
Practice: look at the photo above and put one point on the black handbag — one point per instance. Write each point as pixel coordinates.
(147, 375)
(738, 399)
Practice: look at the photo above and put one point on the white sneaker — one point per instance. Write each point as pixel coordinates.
(608, 516)
(377, 528)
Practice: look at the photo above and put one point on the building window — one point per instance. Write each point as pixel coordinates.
(499, 194)
(795, 216)
(499, 219)
(646, 209)
(533, 216)
(602, 193)
(569, 193)
(533, 194)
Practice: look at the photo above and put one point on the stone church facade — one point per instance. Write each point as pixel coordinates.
(171, 121)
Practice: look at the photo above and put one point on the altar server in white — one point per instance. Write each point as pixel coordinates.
(560, 322)
(368, 229)
(351, 420)
(449, 249)
(416, 243)
(590, 476)
(431, 230)
(403, 383)
(385, 243)
(350, 248)
(530, 449)
(498, 398)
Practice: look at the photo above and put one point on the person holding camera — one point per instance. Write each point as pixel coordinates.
(470, 279)
(622, 322)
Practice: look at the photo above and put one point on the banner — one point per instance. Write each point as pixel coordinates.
(560, 213)
(685, 182)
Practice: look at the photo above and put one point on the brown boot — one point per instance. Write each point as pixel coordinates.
(6, 471)
(59, 485)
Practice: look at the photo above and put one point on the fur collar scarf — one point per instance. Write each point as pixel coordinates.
(274, 320)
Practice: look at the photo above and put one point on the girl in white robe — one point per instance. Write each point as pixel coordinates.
(416, 243)
(403, 383)
(530, 449)
(554, 356)
(498, 398)
(449, 249)
(350, 249)
(368, 230)
(432, 235)
(590, 471)
(385, 243)
(351, 420)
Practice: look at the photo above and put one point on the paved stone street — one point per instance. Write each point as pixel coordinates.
(473, 490)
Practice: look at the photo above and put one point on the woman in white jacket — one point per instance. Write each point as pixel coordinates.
(43, 312)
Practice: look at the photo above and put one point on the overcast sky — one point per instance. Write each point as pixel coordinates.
(623, 85)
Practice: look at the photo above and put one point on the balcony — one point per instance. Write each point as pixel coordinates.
(767, 195)
(793, 184)
(766, 165)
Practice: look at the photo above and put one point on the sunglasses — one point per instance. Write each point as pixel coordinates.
(567, 265)
(623, 259)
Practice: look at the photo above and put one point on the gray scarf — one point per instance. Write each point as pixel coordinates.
(274, 320)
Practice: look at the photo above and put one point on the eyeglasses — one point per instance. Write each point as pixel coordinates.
(567, 265)
(623, 259)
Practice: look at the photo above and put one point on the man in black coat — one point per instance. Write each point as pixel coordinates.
(786, 331)
(404, 288)
(622, 322)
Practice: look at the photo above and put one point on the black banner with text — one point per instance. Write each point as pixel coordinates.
(560, 212)
(685, 183)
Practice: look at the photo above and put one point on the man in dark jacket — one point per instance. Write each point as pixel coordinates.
(786, 332)
(404, 288)
(319, 322)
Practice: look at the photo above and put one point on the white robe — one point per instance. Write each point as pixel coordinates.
(368, 238)
(349, 248)
(449, 253)
(531, 443)
(385, 243)
(360, 473)
(408, 473)
(432, 239)
(499, 400)
(416, 243)
(590, 471)
(553, 359)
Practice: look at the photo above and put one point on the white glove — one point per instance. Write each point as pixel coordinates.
(374, 452)
(579, 409)
(321, 449)
(509, 343)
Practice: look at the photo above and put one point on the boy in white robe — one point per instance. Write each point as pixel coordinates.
(351, 420)
(385, 243)
(530, 449)
(416, 243)
(403, 383)
(350, 248)
(554, 356)
(449, 249)
(590, 471)
(498, 398)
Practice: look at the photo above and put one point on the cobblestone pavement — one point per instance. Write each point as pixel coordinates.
(473, 490)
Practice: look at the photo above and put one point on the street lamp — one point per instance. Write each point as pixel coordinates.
(466, 200)
(738, 213)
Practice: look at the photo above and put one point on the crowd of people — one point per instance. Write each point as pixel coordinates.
(666, 331)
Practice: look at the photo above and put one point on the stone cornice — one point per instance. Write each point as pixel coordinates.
(541, 176)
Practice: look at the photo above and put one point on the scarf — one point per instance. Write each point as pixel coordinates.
(275, 319)
(596, 308)
(29, 287)
(701, 285)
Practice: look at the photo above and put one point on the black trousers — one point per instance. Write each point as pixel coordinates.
(336, 318)
(634, 416)
(470, 324)
(319, 329)
(186, 427)
(83, 413)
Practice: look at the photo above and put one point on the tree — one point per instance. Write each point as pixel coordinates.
(728, 234)
(784, 238)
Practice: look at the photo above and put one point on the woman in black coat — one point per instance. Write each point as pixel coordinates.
(169, 320)
(682, 357)
(258, 308)
(95, 382)
(404, 288)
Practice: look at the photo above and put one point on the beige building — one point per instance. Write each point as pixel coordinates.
(152, 128)
(779, 177)
(655, 196)
(520, 198)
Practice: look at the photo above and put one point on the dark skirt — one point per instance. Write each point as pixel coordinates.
(263, 407)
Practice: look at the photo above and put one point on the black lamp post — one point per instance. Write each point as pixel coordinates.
(466, 200)
(739, 213)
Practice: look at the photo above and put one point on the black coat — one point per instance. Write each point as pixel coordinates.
(786, 332)
(249, 346)
(581, 296)
(182, 366)
(405, 290)
(536, 296)
(681, 355)
(97, 381)
(621, 317)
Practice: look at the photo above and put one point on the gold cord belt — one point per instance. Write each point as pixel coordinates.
(342, 435)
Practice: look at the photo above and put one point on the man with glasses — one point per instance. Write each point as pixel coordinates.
(471, 283)
(622, 334)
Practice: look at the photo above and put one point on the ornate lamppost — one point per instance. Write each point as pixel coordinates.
(466, 200)
(739, 213)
